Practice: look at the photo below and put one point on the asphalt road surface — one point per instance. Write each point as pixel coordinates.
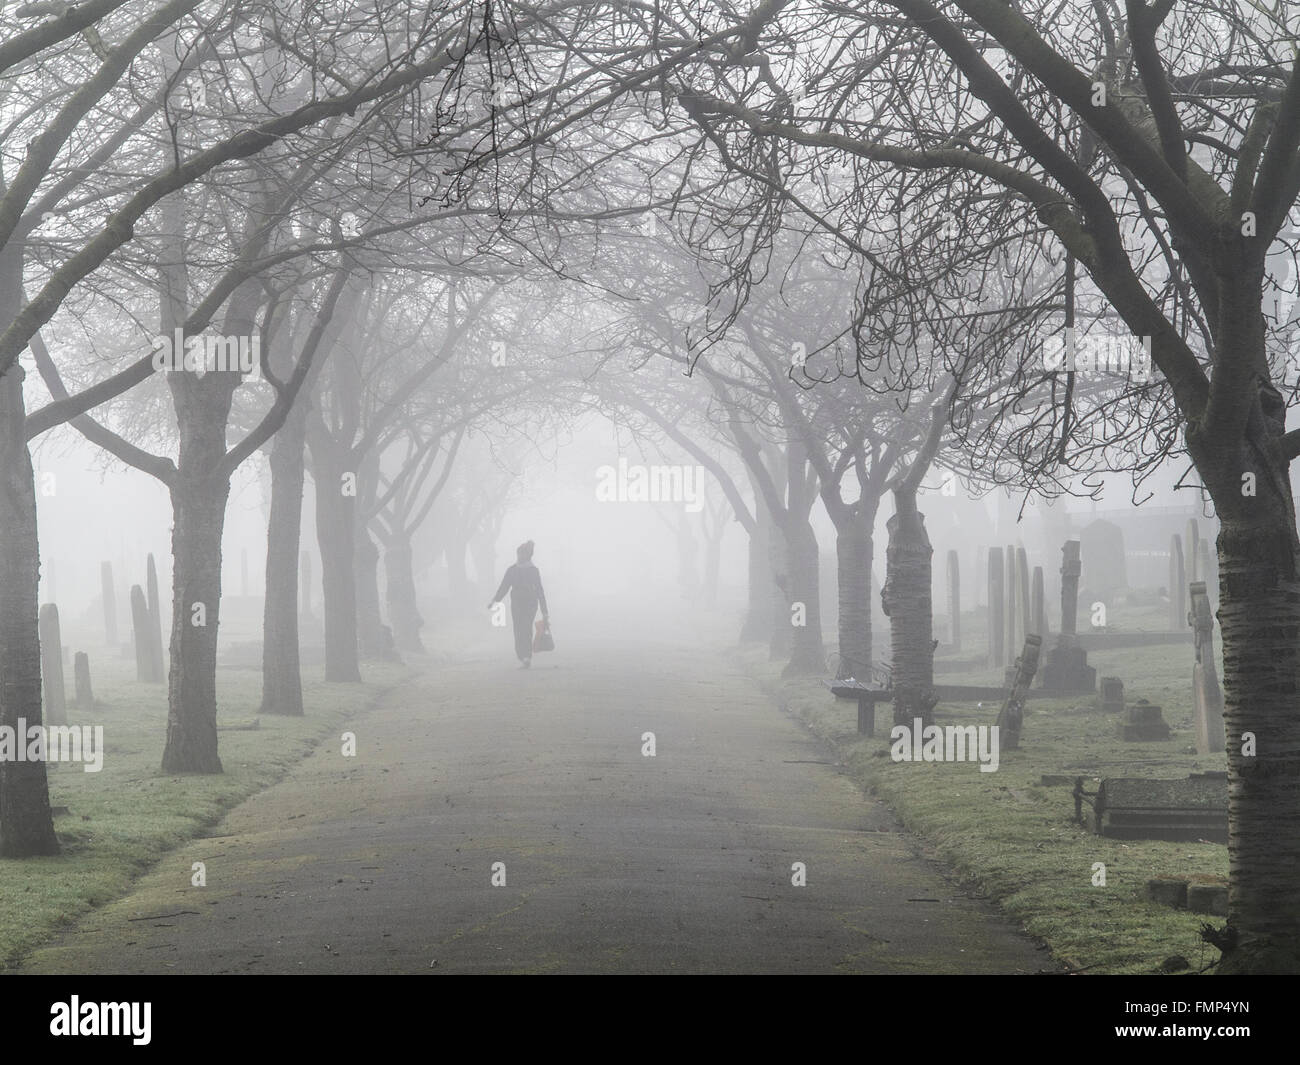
(611, 860)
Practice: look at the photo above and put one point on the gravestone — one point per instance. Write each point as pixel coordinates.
(1205, 677)
(1101, 548)
(1011, 716)
(110, 603)
(1038, 611)
(55, 695)
(1067, 666)
(996, 601)
(1009, 643)
(1192, 553)
(1205, 570)
(1142, 721)
(1022, 587)
(1176, 810)
(1111, 698)
(1177, 584)
(155, 620)
(142, 628)
(954, 602)
(81, 681)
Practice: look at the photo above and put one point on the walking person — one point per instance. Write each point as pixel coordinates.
(524, 583)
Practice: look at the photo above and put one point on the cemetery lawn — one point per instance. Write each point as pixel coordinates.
(1012, 838)
(121, 820)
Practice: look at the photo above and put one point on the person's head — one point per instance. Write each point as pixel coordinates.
(525, 551)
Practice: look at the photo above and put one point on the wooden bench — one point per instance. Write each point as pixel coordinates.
(867, 698)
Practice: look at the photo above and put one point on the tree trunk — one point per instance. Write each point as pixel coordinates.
(26, 828)
(781, 638)
(334, 530)
(402, 609)
(853, 556)
(1259, 611)
(374, 639)
(807, 654)
(281, 666)
(906, 598)
(758, 614)
(199, 512)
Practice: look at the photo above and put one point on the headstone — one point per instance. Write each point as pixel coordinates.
(110, 603)
(155, 621)
(1104, 566)
(1192, 552)
(81, 681)
(1070, 567)
(142, 628)
(1169, 809)
(1142, 721)
(1067, 666)
(996, 602)
(1038, 612)
(1022, 589)
(1205, 677)
(1009, 606)
(55, 696)
(1011, 716)
(1205, 571)
(1177, 584)
(1111, 698)
(954, 602)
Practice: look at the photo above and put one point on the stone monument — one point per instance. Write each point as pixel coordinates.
(1067, 666)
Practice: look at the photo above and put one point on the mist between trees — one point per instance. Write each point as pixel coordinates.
(821, 252)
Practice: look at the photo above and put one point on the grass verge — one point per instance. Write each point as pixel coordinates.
(121, 820)
(1014, 839)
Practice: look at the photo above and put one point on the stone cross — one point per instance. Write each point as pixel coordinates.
(1070, 569)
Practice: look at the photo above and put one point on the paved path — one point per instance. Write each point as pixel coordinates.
(614, 862)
